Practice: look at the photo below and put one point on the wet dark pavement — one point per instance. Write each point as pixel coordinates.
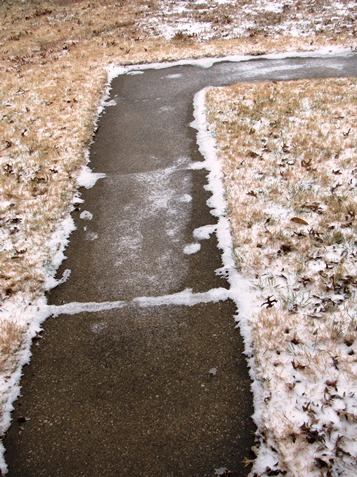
(132, 394)
(144, 391)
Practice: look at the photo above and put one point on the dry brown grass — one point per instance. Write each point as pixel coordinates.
(12, 339)
(288, 153)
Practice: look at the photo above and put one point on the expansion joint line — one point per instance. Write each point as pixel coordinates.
(184, 298)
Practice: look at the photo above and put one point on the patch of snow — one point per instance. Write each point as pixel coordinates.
(57, 245)
(51, 282)
(86, 215)
(133, 73)
(87, 178)
(204, 232)
(186, 297)
(192, 248)
(186, 198)
(110, 103)
(77, 200)
(185, 28)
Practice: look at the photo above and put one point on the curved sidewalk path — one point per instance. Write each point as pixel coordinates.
(149, 389)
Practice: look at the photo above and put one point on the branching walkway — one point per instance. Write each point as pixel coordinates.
(155, 384)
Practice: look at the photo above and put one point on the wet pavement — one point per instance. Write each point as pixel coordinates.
(160, 391)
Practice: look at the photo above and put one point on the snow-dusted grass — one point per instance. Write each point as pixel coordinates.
(11, 340)
(43, 144)
(288, 154)
(209, 20)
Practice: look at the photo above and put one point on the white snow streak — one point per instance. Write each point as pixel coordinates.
(327, 52)
(184, 298)
(240, 289)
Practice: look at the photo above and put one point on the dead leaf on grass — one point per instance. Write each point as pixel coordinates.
(297, 220)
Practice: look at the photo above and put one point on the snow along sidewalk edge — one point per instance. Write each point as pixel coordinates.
(241, 290)
(326, 52)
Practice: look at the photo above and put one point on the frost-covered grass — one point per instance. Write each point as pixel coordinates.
(251, 20)
(288, 153)
(43, 143)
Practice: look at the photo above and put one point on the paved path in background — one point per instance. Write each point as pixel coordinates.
(160, 391)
